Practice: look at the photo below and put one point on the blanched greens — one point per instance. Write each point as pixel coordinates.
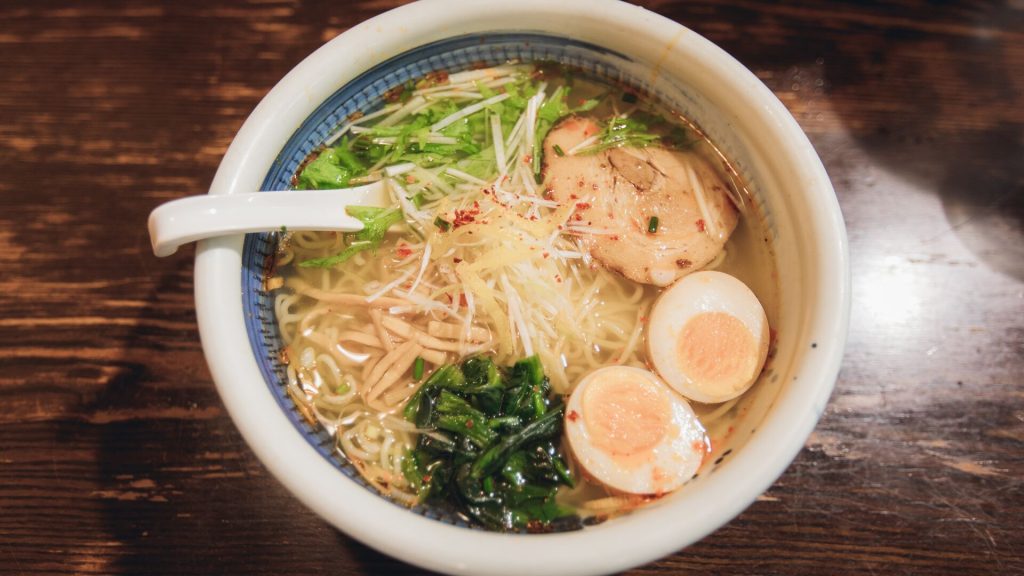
(491, 443)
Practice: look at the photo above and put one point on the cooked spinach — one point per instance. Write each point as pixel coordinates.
(490, 446)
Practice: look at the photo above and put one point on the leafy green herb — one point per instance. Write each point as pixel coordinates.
(558, 150)
(442, 224)
(652, 225)
(376, 222)
(332, 168)
(622, 131)
(493, 452)
(549, 113)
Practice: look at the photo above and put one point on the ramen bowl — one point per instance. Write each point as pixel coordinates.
(350, 74)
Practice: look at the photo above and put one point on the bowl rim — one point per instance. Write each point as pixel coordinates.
(434, 545)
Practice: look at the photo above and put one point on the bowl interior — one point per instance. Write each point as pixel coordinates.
(364, 95)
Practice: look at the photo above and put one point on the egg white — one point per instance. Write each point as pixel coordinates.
(662, 468)
(695, 294)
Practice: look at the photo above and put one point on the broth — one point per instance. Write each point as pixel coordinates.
(477, 260)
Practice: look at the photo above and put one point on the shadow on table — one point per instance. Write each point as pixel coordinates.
(178, 489)
(935, 99)
(944, 111)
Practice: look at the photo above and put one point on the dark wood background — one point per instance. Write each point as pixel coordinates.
(116, 455)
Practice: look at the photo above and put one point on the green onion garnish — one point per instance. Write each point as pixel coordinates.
(559, 151)
(442, 224)
(652, 225)
(417, 368)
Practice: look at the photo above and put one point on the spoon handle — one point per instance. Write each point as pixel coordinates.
(197, 217)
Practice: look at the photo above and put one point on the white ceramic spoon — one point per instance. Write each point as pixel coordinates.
(197, 217)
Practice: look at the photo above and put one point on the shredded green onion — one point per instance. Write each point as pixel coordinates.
(652, 224)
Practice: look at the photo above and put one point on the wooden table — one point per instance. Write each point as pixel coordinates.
(116, 454)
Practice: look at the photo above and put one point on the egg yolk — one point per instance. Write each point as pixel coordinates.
(717, 350)
(625, 418)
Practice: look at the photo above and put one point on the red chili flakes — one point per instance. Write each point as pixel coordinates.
(467, 216)
(582, 205)
(574, 197)
(614, 237)
(528, 159)
(578, 216)
(643, 319)
(683, 263)
(700, 225)
(469, 423)
(403, 251)
(395, 94)
(434, 78)
(457, 260)
(558, 278)
(463, 303)
(410, 179)
(545, 254)
(573, 416)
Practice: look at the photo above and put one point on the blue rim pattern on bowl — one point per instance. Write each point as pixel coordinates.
(364, 95)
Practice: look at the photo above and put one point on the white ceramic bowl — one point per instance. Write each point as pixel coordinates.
(740, 115)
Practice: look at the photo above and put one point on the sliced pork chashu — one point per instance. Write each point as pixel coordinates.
(618, 191)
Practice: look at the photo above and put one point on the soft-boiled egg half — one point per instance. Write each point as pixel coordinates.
(632, 433)
(708, 337)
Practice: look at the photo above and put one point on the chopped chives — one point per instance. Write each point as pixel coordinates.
(441, 223)
(559, 151)
(652, 225)
(417, 368)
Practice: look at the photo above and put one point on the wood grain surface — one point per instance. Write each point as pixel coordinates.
(116, 455)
